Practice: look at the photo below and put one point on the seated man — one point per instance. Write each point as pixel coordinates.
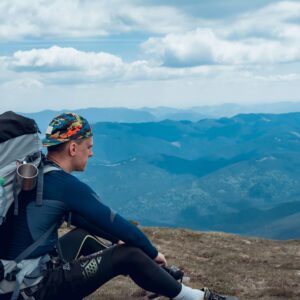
(69, 141)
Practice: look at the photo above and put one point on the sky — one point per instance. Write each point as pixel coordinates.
(66, 54)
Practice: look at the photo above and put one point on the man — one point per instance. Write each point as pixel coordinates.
(69, 142)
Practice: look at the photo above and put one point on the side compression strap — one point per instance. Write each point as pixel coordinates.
(15, 194)
(31, 248)
(37, 243)
(40, 185)
(25, 254)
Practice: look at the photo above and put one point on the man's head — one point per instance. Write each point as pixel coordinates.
(69, 141)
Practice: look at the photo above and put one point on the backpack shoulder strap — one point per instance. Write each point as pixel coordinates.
(49, 168)
(40, 185)
(43, 169)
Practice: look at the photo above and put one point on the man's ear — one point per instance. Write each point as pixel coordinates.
(73, 149)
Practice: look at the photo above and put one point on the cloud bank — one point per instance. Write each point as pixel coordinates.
(268, 36)
(177, 48)
(82, 19)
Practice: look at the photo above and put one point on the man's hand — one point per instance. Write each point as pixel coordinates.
(160, 259)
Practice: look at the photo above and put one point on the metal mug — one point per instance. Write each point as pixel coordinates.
(27, 176)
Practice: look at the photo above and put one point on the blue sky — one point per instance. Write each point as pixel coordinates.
(98, 53)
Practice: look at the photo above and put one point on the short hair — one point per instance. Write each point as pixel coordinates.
(61, 147)
(57, 148)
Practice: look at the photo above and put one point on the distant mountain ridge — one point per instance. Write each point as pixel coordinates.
(156, 114)
(239, 174)
(95, 115)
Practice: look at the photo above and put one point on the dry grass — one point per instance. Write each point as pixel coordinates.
(250, 268)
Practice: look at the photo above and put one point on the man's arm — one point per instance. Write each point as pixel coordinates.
(80, 222)
(82, 200)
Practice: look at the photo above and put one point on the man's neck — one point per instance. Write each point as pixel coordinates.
(59, 162)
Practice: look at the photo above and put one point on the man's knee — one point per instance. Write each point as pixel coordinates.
(128, 257)
(131, 252)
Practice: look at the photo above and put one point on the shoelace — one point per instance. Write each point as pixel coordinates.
(209, 295)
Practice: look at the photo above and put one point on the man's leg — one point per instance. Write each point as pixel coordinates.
(144, 271)
(81, 277)
(79, 242)
(77, 279)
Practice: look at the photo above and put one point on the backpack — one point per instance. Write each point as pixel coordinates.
(19, 143)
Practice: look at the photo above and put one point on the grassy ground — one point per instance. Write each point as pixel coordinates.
(250, 268)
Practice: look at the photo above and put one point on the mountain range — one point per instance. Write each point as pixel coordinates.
(238, 174)
(156, 114)
(235, 174)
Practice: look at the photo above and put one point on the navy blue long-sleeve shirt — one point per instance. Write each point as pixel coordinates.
(64, 193)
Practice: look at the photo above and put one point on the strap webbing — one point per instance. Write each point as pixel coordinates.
(15, 194)
(25, 254)
(40, 185)
(36, 244)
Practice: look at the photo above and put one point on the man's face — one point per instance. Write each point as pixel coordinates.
(83, 153)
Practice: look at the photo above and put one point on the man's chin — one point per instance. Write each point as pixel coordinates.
(80, 169)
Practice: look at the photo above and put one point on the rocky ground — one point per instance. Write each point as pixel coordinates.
(250, 268)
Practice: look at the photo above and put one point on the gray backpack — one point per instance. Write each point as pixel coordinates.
(19, 144)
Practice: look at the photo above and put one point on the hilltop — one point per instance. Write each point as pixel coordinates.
(251, 268)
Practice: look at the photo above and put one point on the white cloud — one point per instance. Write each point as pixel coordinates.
(245, 57)
(2, 63)
(23, 83)
(204, 47)
(162, 19)
(278, 77)
(69, 66)
(57, 58)
(58, 65)
(275, 21)
(267, 36)
(80, 19)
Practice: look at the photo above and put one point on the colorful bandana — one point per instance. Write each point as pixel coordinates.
(65, 127)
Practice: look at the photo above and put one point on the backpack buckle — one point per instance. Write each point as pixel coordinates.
(12, 275)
